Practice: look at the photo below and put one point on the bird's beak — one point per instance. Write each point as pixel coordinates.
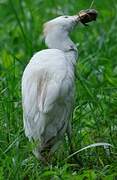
(87, 15)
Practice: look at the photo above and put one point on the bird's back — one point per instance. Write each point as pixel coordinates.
(47, 91)
(49, 58)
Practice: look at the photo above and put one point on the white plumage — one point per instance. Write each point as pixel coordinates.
(48, 86)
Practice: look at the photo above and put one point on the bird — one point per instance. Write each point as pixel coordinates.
(48, 86)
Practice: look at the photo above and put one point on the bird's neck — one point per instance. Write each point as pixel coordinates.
(62, 41)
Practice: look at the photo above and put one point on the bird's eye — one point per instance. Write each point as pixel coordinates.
(65, 16)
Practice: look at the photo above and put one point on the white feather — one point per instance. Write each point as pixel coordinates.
(48, 87)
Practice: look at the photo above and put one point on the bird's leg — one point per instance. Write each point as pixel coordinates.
(44, 155)
(45, 151)
(41, 152)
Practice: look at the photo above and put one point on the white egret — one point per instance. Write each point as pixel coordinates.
(48, 84)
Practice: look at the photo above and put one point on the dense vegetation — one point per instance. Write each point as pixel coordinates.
(95, 112)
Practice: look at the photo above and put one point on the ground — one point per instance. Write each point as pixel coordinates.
(95, 111)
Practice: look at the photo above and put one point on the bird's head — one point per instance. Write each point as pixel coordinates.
(61, 23)
(59, 28)
(66, 23)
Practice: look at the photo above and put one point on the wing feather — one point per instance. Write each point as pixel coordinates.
(45, 113)
(39, 92)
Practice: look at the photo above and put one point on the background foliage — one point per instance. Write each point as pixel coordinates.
(95, 112)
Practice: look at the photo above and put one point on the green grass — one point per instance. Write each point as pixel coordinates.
(95, 113)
